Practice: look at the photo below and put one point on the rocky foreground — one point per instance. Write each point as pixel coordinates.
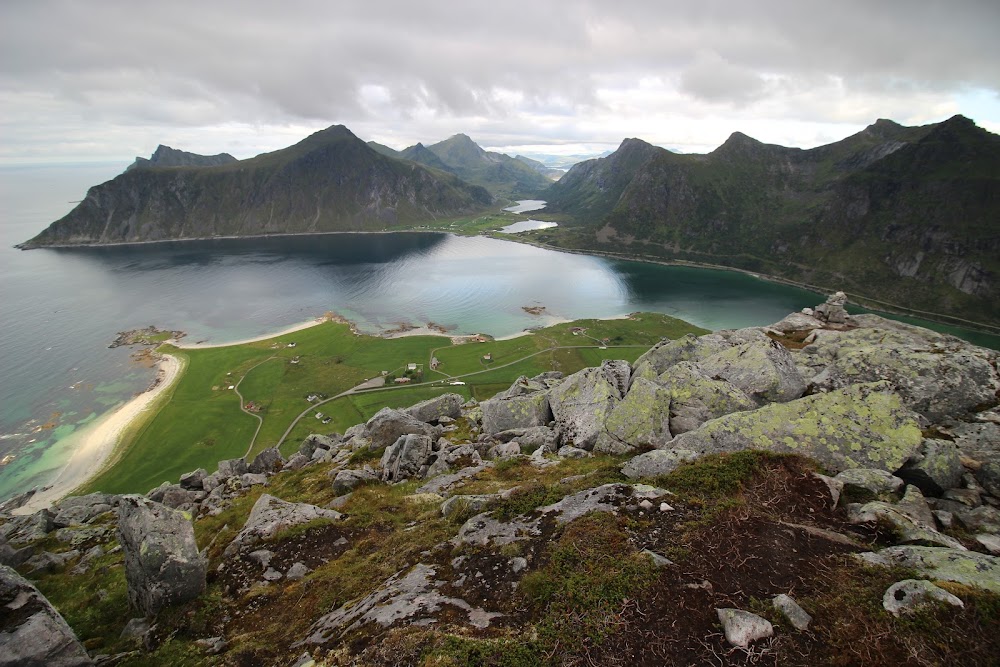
(821, 491)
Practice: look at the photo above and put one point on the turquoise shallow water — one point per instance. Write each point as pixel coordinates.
(61, 308)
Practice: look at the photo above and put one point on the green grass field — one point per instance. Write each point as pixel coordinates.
(199, 421)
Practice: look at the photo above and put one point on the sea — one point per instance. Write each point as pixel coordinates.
(61, 308)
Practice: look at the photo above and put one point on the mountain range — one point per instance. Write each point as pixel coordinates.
(906, 215)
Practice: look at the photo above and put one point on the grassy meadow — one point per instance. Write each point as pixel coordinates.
(199, 421)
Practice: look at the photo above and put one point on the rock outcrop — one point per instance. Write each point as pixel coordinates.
(162, 563)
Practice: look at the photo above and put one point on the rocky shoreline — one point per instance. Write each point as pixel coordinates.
(727, 491)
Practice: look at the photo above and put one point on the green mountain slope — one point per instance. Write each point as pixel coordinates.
(909, 216)
(500, 174)
(330, 181)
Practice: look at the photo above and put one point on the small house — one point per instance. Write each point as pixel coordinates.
(402, 380)
(488, 356)
(411, 367)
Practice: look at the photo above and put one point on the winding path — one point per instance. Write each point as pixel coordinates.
(260, 420)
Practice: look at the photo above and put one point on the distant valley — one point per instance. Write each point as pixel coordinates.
(905, 215)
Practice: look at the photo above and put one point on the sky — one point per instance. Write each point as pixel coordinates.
(107, 80)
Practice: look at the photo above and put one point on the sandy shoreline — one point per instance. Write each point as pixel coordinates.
(98, 441)
(292, 329)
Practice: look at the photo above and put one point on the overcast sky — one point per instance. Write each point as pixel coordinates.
(107, 80)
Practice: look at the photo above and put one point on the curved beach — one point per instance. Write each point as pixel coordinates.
(98, 441)
(274, 334)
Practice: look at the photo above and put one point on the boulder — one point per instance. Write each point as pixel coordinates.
(78, 510)
(386, 427)
(32, 632)
(431, 410)
(762, 369)
(833, 310)
(640, 420)
(963, 567)
(29, 527)
(910, 595)
(406, 457)
(908, 531)
(346, 480)
(472, 503)
(175, 497)
(454, 456)
(860, 426)
(505, 450)
(696, 398)
(937, 376)
(316, 441)
(582, 403)
(657, 462)
(162, 563)
(742, 627)
(193, 480)
(532, 438)
(504, 411)
(869, 480)
(232, 467)
(936, 468)
(665, 354)
(268, 461)
(296, 461)
(270, 516)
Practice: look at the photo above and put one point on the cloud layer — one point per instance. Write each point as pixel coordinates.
(108, 79)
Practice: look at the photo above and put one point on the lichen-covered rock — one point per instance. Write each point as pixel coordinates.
(963, 567)
(193, 480)
(28, 527)
(641, 419)
(270, 516)
(696, 398)
(665, 354)
(388, 425)
(936, 468)
(908, 530)
(859, 426)
(408, 597)
(162, 563)
(582, 403)
(657, 462)
(909, 595)
(32, 632)
(532, 438)
(792, 612)
(431, 410)
(938, 376)
(764, 370)
(407, 457)
(268, 461)
(78, 510)
(506, 412)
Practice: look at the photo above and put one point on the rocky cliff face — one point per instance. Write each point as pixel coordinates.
(751, 492)
(912, 211)
(330, 181)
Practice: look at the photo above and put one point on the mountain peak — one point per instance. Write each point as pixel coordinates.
(165, 156)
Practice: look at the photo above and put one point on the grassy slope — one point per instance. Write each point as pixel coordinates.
(202, 423)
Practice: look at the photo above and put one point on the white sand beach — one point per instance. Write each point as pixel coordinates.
(97, 442)
(292, 329)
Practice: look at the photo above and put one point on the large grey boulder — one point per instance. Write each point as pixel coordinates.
(861, 426)
(531, 438)
(28, 527)
(232, 467)
(270, 516)
(32, 633)
(963, 567)
(388, 425)
(696, 398)
(582, 403)
(640, 420)
(525, 404)
(764, 370)
(268, 461)
(743, 627)
(937, 376)
(431, 410)
(665, 354)
(162, 563)
(908, 529)
(407, 457)
(194, 480)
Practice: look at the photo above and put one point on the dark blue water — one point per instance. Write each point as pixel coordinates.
(61, 308)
